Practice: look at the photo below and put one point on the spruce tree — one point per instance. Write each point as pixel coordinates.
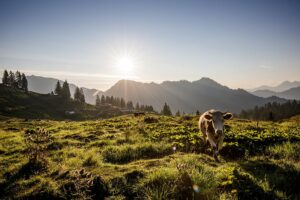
(11, 78)
(107, 99)
(129, 105)
(122, 103)
(18, 79)
(98, 101)
(102, 99)
(77, 94)
(57, 88)
(24, 83)
(82, 98)
(5, 79)
(166, 110)
(137, 106)
(65, 91)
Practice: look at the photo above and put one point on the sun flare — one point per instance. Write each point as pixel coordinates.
(125, 64)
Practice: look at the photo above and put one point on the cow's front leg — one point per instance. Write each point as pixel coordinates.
(214, 146)
(220, 142)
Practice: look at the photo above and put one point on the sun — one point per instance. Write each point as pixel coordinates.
(125, 64)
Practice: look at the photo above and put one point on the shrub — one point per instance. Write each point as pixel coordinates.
(37, 142)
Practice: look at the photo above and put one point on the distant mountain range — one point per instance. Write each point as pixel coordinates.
(286, 85)
(182, 95)
(287, 90)
(293, 93)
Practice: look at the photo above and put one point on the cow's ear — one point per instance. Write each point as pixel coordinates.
(208, 116)
(227, 115)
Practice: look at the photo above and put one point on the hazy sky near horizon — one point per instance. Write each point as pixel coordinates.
(95, 43)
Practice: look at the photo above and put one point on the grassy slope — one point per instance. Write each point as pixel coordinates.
(16, 103)
(135, 157)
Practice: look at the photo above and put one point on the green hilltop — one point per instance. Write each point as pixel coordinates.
(17, 103)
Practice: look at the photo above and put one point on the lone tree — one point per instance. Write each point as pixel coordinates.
(65, 91)
(5, 79)
(57, 88)
(166, 110)
(24, 83)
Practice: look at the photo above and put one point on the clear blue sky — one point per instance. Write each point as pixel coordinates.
(237, 43)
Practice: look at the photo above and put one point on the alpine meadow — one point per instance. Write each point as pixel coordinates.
(150, 100)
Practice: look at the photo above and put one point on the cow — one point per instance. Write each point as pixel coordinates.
(211, 124)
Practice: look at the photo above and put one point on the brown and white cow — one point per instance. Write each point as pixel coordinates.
(211, 124)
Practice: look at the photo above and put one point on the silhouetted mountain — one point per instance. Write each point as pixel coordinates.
(264, 93)
(181, 95)
(293, 93)
(188, 96)
(286, 85)
(45, 85)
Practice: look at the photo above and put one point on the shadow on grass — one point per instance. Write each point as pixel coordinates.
(9, 187)
(284, 178)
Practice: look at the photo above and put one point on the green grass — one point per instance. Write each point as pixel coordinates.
(129, 157)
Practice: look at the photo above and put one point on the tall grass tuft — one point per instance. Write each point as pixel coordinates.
(285, 150)
(128, 153)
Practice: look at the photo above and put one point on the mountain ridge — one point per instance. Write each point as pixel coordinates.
(183, 95)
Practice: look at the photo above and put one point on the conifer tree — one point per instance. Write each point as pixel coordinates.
(65, 91)
(18, 79)
(11, 78)
(98, 101)
(77, 94)
(137, 106)
(82, 98)
(166, 110)
(122, 103)
(102, 99)
(5, 79)
(24, 83)
(57, 88)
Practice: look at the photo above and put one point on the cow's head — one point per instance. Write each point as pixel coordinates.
(217, 118)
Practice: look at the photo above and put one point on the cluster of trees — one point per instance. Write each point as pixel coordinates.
(63, 91)
(121, 103)
(15, 80)
(272, 111)
(79, 95)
